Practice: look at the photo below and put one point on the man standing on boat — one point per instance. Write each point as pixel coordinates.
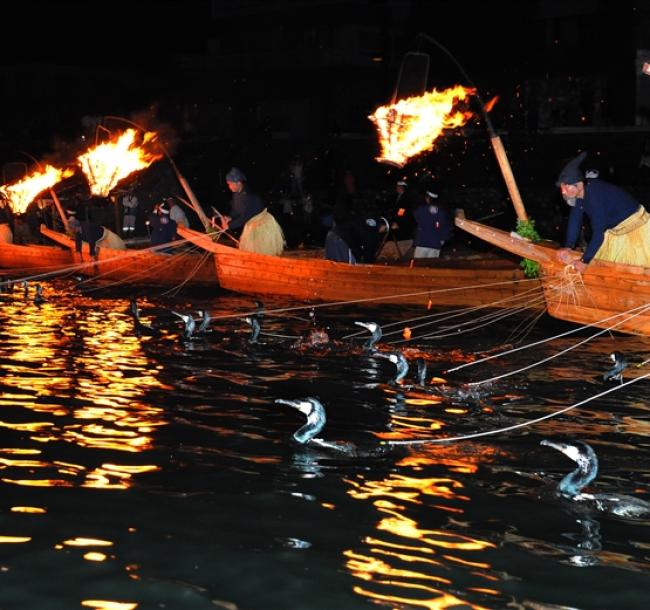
(433, 227)
(130, 204)
(162, 227)
(620, 225)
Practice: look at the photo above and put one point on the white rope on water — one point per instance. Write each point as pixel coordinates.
(524, 424)
(561, 352)
(477, 323)
(554, 337)
(443, 316)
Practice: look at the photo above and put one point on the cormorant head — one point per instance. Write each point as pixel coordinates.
(314, 410)
(585, 457)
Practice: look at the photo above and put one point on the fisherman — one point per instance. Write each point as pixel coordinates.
(249, 218)
(176, 213)
(86, 230)
(130, 204)
(162, 227)
(433, 227)
(6, 234)
(620, 225)
(243, 205)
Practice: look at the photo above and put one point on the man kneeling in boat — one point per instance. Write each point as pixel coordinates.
(620, 225)
(259, 230)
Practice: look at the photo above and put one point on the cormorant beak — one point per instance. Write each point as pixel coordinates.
(571, 451)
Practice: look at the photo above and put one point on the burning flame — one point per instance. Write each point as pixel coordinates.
(108, 163)
(20, 194)
(411, 125)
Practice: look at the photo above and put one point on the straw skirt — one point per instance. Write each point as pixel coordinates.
(628, 242)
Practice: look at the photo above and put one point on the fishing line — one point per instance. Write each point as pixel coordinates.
(529, 422)
(560, 353)
(546, 340)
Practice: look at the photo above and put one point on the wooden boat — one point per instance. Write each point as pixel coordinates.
(143, 266)
(21, 260)
(606, 295)
(479, 281)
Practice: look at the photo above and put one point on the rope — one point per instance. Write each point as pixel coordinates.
(529, 422)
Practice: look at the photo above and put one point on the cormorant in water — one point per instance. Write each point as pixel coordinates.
(571, 485)
(616, 372)
(38, 297)
(313, 409)
(190, 325)
(140, 327)
(376, 334)
(204, 327)
(398, 359)
(422, 371)
(256, 328)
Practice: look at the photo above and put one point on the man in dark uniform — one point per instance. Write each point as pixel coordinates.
(620, 225)
(244, 204)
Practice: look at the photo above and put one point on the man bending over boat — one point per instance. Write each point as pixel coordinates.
(620, 225)
(259, 230)
(94, 234)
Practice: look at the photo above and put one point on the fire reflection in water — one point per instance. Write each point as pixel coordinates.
(404, 562)
(78, 378)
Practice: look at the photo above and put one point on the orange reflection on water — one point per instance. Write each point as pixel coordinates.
(404, 563)
(103, 604)
(88, 374)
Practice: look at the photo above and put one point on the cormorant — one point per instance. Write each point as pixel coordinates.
(376, 334)
(140, 327)
(616, 372)
(571, 485)
(398, 359)
(256, 328)
(38, 296)
(422, 371)
(204, 327)
(313, 409)
(190, 325)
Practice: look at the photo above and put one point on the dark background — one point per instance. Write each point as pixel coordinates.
(254, 82)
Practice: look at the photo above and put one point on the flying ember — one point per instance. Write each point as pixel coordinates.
(20, 194)
(108, 163)
(411, 126)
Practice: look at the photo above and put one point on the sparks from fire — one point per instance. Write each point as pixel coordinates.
(411, 125)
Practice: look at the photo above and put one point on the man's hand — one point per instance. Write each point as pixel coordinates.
(579, 266)
(566, 255)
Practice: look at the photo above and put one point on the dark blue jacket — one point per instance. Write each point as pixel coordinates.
(433, 226)
(163, 229)
(606, 206)
(89, 232)
(243, 207)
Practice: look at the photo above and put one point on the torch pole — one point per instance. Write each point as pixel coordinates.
(59, 208)
(55, 199)
(196, 206)
(495, 140)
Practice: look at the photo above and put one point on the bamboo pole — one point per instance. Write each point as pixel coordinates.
(495, 140)
(196, 206)
(55, 198)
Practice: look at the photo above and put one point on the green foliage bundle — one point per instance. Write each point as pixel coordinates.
(526, 228)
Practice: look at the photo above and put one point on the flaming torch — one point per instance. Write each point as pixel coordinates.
(411, 126)
(20, 194)
(108, 163)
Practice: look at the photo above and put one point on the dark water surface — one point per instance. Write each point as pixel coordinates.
(149, 472)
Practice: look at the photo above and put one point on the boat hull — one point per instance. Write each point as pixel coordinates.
(445, 282)
(606, 295)
(19, 260)
(143, 267)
